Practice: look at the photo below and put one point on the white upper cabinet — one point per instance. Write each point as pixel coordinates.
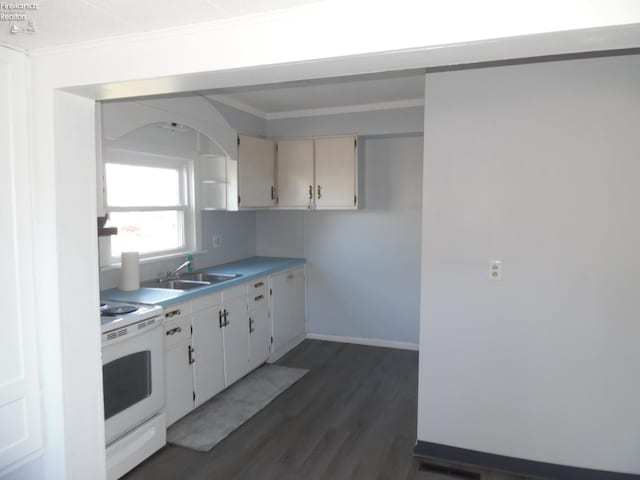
(295, 173)
(336, 172)
(318, 173)
(256, 161)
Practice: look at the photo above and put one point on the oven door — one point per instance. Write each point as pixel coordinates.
(133, 380)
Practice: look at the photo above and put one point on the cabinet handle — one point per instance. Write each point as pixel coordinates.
(289, 275)
(251, 329)
(259, 284)
(273, 192)
(226, 320)
(173, 331)
(172, 314)
(319, 192)
(220, 318)
(191, 357)
(259, 297)
(310, 192)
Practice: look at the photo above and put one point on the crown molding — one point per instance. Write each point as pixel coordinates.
(315, 112)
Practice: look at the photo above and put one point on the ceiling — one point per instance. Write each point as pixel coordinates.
(60, 22)
(294, 99)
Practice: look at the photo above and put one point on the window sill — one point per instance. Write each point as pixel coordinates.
(160, 258)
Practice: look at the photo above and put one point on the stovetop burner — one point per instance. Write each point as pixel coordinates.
(119, 310)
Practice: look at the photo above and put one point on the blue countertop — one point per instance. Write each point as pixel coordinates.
(249, 268)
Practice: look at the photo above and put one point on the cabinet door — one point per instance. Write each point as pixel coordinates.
(208, 354)
(236, 341)
(178, 382)
(336, 166)
(295, 173)
(256, 160)
(288, 310)
(259, 337)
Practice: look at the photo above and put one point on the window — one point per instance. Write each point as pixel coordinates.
(149, 199)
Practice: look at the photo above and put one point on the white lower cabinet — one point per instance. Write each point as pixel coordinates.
(208, 356)
(214, 340)
(236, 330)
(259, 322)
(178, 380)
(288, 310)
(259, 337)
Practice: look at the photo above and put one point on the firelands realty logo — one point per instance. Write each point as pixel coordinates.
(17, 13)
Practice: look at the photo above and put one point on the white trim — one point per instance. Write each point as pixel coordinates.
(372, 342)
(314, 112)
(366, 107)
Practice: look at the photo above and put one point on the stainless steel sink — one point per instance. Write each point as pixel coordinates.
(191, 280)
(176, 284)
(210, 278)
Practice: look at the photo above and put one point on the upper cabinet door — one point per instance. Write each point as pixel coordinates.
(336, 167)
(295, 173)
(256, 160)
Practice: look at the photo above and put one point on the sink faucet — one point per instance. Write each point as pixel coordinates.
(177, 271)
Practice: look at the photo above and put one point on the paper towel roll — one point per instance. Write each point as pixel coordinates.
(130, 271)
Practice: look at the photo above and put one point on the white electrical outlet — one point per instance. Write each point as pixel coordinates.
(217, 241)
(495, 269)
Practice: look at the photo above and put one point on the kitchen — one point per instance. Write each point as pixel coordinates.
(283, 224)
(56, 231)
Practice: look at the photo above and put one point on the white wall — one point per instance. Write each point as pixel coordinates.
(363, 266)
(536, 165)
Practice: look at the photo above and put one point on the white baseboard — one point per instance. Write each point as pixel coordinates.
(373, 342)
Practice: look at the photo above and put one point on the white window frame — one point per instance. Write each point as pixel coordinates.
(187, 205)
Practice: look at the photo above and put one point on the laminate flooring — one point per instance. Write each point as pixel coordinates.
(352, 417)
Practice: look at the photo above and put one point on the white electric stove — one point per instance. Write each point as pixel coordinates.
(133, 384)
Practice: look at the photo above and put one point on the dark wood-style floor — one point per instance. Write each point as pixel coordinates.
(353, 416)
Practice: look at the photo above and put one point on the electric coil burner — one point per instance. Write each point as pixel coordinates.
(114, 315)
(119, 310)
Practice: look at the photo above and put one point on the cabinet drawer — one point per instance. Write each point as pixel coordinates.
(257, 293)
(207, 301)
(176, 311)
(257, 286)
(234, 292)
(257, 300)
(177, 331)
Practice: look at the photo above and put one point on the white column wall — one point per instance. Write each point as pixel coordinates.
(535, 165)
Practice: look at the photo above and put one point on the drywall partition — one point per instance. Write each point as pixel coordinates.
(535, 165)
(363, 266)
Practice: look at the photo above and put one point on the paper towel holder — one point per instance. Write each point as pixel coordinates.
(104, 231)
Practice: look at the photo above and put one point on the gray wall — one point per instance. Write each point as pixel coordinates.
(536, 165)
(363, 266)
(238, 232)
